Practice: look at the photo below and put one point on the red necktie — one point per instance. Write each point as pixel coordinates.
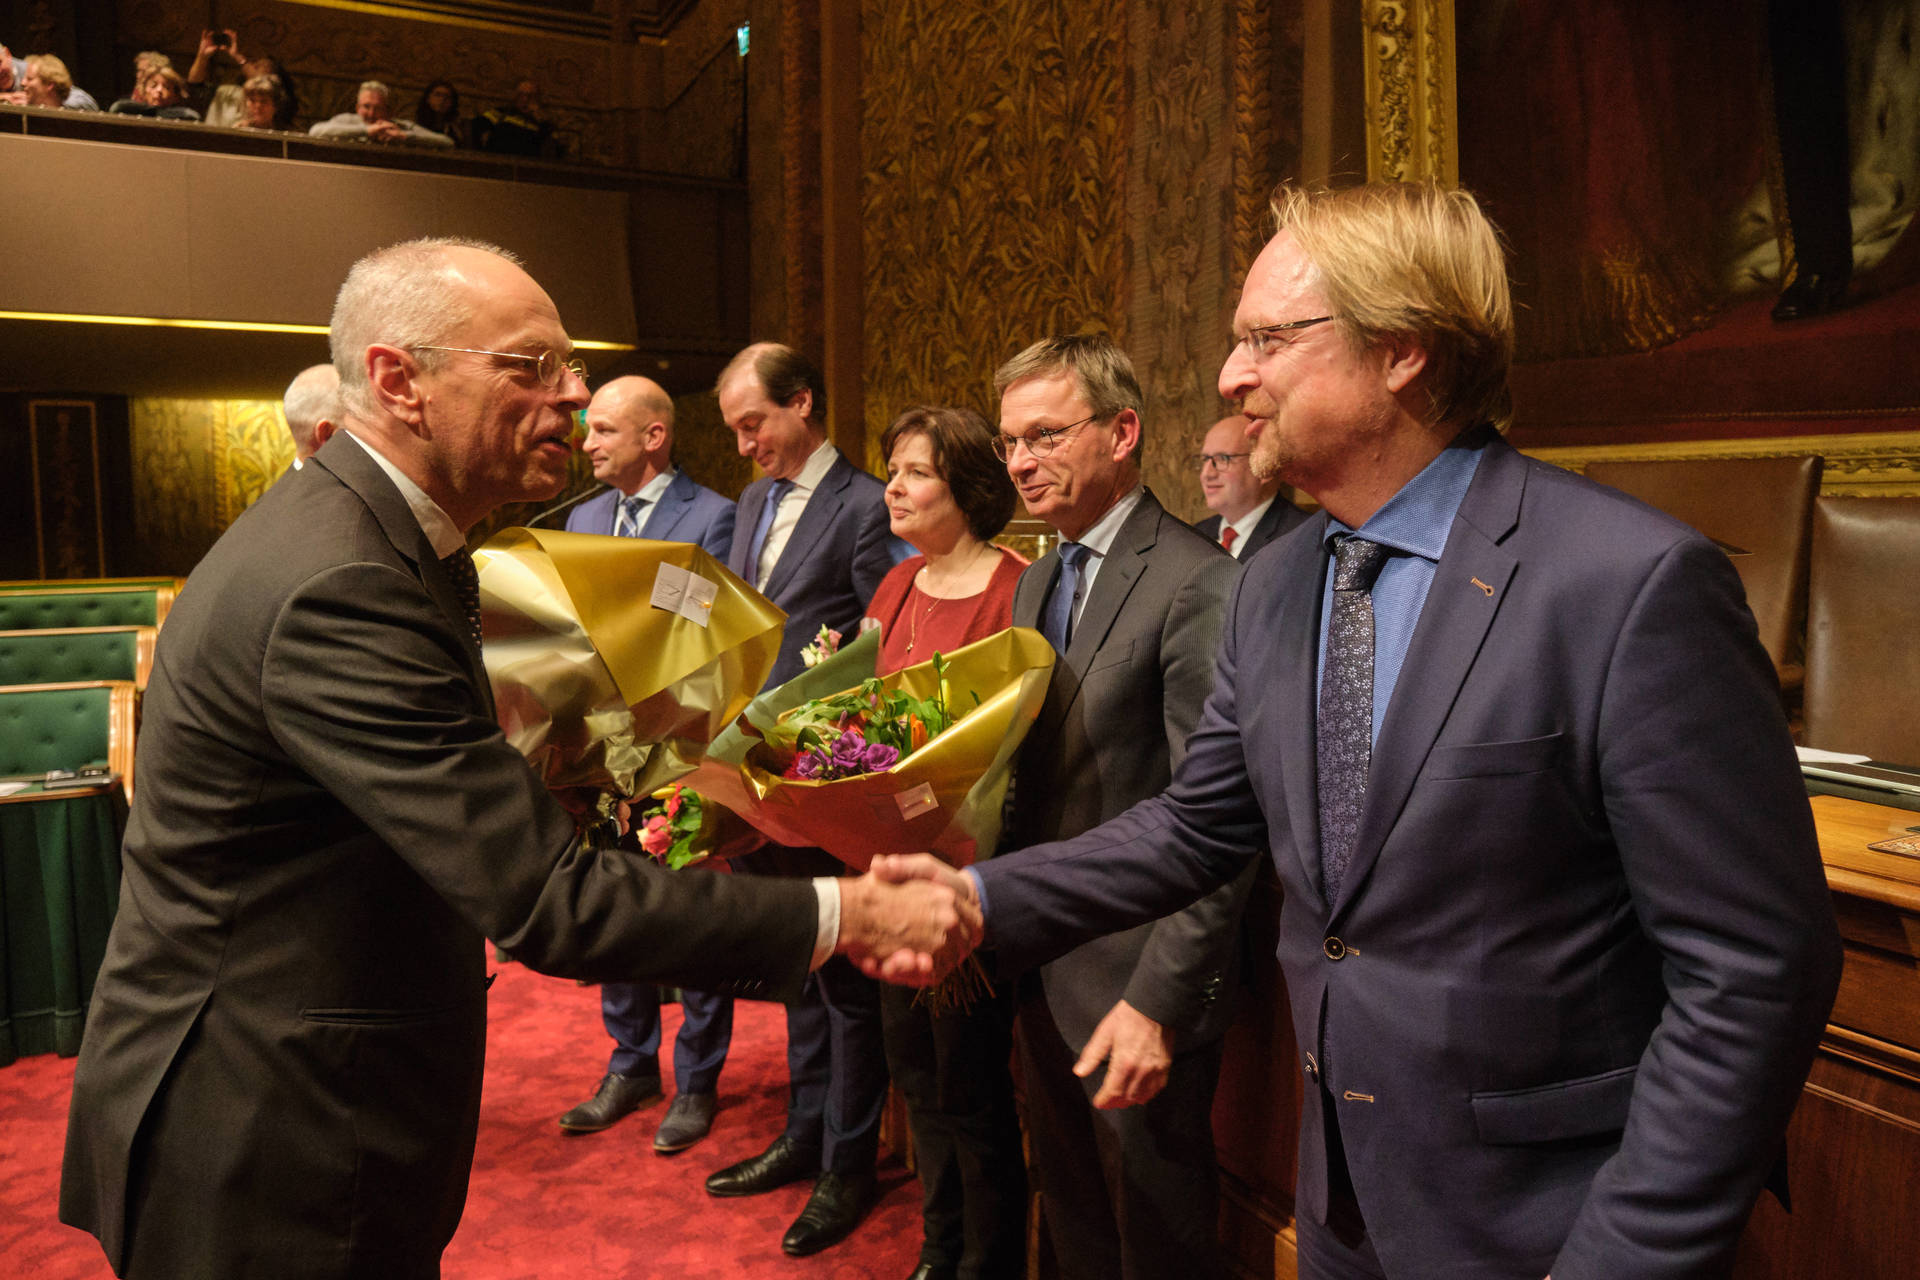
(1227, 534)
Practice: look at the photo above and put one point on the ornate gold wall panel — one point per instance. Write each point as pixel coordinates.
(995, 153)
(1881, 464)
(1411, 120)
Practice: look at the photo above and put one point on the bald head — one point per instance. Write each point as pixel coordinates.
(629, 436)
(1230, 487)
(312, 409)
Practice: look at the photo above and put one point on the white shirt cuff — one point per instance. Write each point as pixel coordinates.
(827, 936)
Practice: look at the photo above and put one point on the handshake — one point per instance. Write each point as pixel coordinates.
(909, 920)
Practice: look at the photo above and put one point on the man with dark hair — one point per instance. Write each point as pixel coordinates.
(629, 441)
(1132, 598)
(813, 537)
(282, 1063)
(1557, 939)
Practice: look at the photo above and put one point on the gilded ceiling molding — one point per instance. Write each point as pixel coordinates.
(1412, 114)
(1880, 464)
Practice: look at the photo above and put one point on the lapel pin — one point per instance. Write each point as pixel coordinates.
(1484, 588)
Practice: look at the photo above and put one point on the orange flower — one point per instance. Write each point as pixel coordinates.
(916, 732)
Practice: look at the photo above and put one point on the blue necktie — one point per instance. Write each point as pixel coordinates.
(626, 524)
(1344, 726)
(1057, 623)
(776, 491)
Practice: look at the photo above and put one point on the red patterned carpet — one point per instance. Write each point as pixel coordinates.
(542, 1205)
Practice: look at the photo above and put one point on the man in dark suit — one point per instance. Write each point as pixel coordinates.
(629, 441)
(311, 406)
(282, 1062)
(1557, 941)
(1248, 511)
(812, 535)
(1132, 598)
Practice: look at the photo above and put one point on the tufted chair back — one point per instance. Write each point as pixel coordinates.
(57, 655)
(67, 726)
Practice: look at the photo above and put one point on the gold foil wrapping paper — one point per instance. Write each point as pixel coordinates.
(946, 797)
(596, 685)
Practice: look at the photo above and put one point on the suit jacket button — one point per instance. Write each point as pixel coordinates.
(1334, 948)
(1312, 1067)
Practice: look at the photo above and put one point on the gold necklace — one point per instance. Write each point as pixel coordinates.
(933, 602)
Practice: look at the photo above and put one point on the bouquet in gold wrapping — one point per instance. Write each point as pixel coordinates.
(915, 760)
(616, 661)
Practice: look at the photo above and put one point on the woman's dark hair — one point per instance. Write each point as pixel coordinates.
(427, 118)
(963, 453)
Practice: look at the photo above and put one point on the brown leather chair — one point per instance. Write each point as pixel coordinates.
(1863, 629)
(1762, 506)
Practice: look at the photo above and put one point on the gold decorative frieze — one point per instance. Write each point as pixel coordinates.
(1879, 464)
(1412, 131)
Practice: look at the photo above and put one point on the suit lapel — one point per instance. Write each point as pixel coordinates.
(668, 512)
(1469, 585)
(747, 515)
(823, 507)
(354, 467)
(1296, 630)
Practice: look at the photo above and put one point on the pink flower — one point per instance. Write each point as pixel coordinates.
(655, 837)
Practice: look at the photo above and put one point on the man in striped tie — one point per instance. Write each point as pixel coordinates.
(630, 444)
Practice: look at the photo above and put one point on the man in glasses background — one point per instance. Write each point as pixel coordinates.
(1133, 599)
(1248, 512)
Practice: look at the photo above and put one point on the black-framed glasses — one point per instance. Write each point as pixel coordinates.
(1041, 441)
(1264, 340)
(549, 366)
(1221, 461)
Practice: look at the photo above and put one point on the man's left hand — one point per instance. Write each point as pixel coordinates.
(1137, 1053)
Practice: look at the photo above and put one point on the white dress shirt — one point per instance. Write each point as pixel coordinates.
(787, 514)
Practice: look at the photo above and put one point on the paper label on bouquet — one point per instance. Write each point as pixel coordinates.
(688, 594)
(916, 802)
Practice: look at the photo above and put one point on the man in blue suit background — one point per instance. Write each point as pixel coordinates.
(1557, 941)
(813, 536)
(630, 443)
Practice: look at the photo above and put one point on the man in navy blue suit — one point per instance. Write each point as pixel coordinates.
(1557, 940)
(813, 537)
(630, 443)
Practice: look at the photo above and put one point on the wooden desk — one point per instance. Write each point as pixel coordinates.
(1853, 1150)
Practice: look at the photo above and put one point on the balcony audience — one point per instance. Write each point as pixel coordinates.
(372, 120)
(161, 93)
(260, 102)
(519, 130)
(13, 71)
(46, 83)
(439, 110)
(217, 82)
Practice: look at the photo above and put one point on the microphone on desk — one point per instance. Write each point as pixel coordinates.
(558, 507)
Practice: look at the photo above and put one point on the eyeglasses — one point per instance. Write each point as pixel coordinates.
(548, 366)
(1221, 461)
(1040, 442)
(1264, 340)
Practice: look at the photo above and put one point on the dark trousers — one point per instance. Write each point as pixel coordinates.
(836, 1068)
(952, 1069)
(1128, 1194)
(631, 1013)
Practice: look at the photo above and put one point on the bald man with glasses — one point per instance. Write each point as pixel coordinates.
(1248, 511)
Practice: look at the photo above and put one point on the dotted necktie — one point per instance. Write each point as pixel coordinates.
(776, 491)
(466, 585)
(1345, 722)
(1057, 623)
(626, 523)
(1227, 534)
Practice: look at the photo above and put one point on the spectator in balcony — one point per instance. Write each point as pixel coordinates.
(145, 63)
(48, 84)
(260, 102)
(216, 82)
(439, 110)
(372, 120)
(162, 93)
(519, 130)
(13, 72)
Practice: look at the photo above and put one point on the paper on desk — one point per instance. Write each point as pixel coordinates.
(13, 788)
(1813, 755)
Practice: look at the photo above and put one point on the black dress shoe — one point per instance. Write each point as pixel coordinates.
(689, 1117)
(1811, 294)
(779, 1164)
(838, 1202)
(934, 1271)
(617, 1096)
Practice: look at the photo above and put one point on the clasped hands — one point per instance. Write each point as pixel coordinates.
(909, 920)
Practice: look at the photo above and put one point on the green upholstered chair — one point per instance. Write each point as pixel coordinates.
(66, 655)
(67, 726)
(48, 605)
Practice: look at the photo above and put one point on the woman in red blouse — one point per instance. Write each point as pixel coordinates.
(949, 496)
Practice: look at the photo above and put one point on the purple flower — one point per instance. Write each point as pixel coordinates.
(849, 748)
(879, 757)
(807, 766)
